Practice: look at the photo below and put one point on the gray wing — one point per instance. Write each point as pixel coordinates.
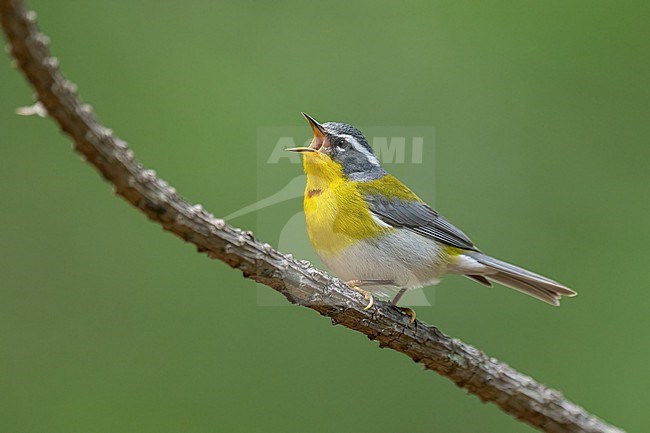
(419, 218)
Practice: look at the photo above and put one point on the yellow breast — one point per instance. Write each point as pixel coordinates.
(337, 216)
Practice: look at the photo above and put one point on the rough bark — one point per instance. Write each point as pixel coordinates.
(491, 380)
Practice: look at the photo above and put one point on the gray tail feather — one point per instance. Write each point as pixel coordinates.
(480, 278)
(522, 280)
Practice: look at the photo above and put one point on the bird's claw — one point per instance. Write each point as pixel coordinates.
(370, 299)
(409, 312)
(366, 294)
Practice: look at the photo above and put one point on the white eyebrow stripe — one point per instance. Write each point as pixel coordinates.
(360, 148)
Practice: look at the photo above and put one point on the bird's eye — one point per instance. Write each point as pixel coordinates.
(342, 145)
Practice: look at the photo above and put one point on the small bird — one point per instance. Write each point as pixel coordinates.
(376, 234)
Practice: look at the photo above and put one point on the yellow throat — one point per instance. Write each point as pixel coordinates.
(336, 213)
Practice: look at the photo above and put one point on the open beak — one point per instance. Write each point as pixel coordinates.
(319, 136)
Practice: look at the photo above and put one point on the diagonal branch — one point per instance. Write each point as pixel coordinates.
(517, 394)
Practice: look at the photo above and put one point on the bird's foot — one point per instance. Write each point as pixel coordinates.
(354, 285)
(405, 310)
(409, 312)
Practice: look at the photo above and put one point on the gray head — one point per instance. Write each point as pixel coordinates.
(347, 146)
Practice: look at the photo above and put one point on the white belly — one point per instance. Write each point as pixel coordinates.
(408, 259)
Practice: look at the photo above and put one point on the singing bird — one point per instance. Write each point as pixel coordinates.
(375, 233)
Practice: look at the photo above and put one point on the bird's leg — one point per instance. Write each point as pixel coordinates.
(358, 284)
(409, 312)
(398, 296)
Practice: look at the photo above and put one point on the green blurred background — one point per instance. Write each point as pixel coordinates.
(541, 112)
